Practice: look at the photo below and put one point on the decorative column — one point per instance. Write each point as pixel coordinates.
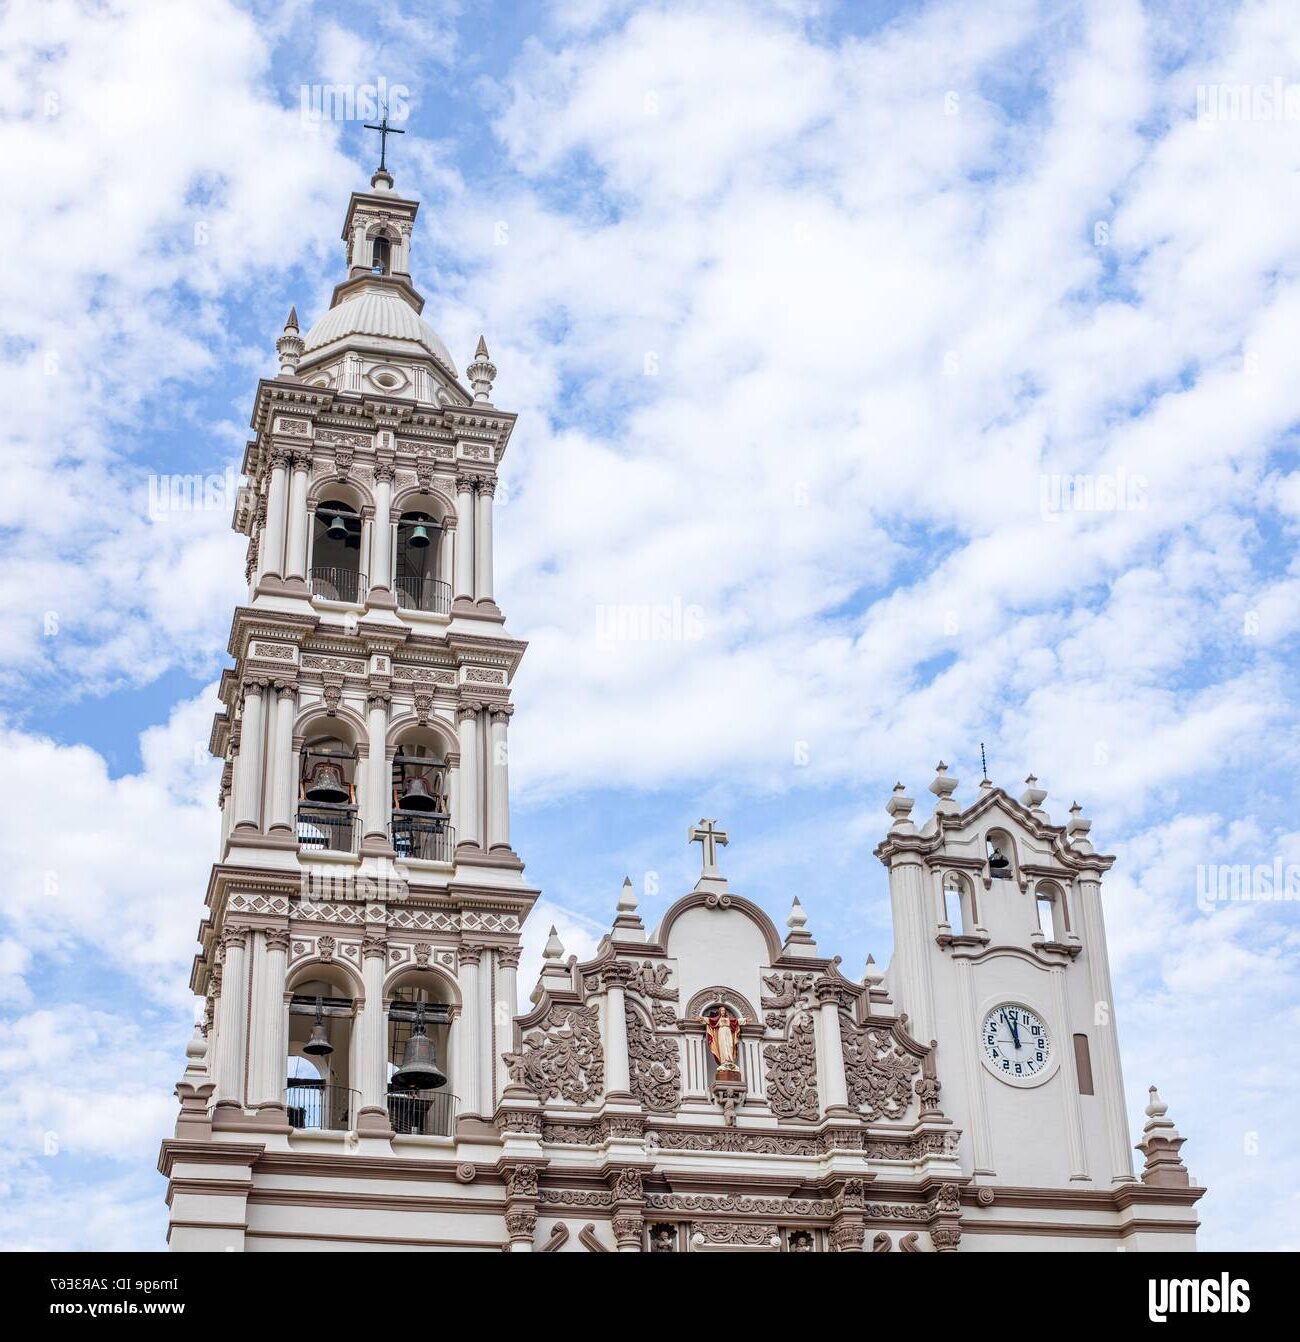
(487, 489)
(628, 1189)
(498, 826)
(372, 1040)
(284, 764)
(467, 1032)
(381, 538)
(467, 823)
(521, 1206)
(271, 551)
(447, 552)
(375, 840)
(463, 577)
(615, 977)
(487, 1081)
(507, 1005)
(248, 763)
(834, 1081)
(295, 560)
(228, 1065)
(849, 1225)
(945, 1219)
(268, 1037)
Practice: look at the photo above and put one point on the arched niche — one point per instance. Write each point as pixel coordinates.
(421, 1001)
(321, 1006)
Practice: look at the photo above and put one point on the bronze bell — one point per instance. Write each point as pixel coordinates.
(999, 867)
(419, 537)
(326, 782)
(418, 797)
(318, 1046)
(419, 1069)
(337, 529)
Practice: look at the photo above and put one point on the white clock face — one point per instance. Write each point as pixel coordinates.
(1017, 1046)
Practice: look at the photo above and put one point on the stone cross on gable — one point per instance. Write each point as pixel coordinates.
(708, 836)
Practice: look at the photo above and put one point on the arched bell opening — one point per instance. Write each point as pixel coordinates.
(327, 794)
(419, 579)
(420, 1099)
(381, 254)
(1053, 914)
(321, 1009)
(1001, 855)
(336, 552)
(958, 904)
(421, 800)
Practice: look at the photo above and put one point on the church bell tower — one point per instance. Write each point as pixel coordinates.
(358, 955)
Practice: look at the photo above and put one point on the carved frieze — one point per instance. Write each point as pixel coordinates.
(653, 1066)
(785, 990)
(877, 1071)
(562, 1056)
(791, 1085)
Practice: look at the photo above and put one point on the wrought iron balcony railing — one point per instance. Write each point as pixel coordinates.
(339, 584)
(428, 1113)
(431, 594)
(327, 828)
(316, 1105)
(429, 837)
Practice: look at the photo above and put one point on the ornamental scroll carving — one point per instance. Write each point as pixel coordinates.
(653, 1066)
(562, 1056)
(784, 990)
(792, 1071)
(652, 981)
(878, 1073)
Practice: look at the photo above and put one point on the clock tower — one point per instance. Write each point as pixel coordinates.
(1000, 955)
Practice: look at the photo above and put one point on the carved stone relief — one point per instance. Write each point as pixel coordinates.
(792, 1071)
(562, 1056)
(878, 1072)
(653, 1066)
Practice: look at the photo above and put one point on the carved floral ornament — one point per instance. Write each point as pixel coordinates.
(561, 1055)
(877, 1071)
(791, 1086)
(654, 1069)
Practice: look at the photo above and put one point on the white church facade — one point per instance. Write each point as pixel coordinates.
(362, 1078)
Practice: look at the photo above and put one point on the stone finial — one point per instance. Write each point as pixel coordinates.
(899, 806)
(290, 345)
(871, 975)
(877, 992)
(1160, 1145)
(482, 372)
(943, 787)
(554, 949)
(798, 940)
(1033, 797)
(195, 1088)
(627, 922)
(1077, 829)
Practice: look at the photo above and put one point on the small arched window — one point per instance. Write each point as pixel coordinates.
(421, 801)
(327, 797)
(420, 1098)
(381, 253)
(417, 578)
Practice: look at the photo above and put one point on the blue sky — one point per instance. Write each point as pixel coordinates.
(806, 310)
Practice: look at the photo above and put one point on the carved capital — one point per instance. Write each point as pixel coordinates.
(508, 956)
(277, 938)
(467, 710)
(374, 943)
(234, 936)
(627, 1228)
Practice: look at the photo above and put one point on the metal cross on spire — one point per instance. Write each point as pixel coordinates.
(385, 130)
(708, 836)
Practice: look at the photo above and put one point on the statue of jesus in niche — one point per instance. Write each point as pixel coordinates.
(722, 1030)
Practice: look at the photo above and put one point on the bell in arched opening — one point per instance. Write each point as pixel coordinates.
(999, 866)
(419, 795)
(419, 537)
(318, 1046)
(326, 782)
(419, 1069)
